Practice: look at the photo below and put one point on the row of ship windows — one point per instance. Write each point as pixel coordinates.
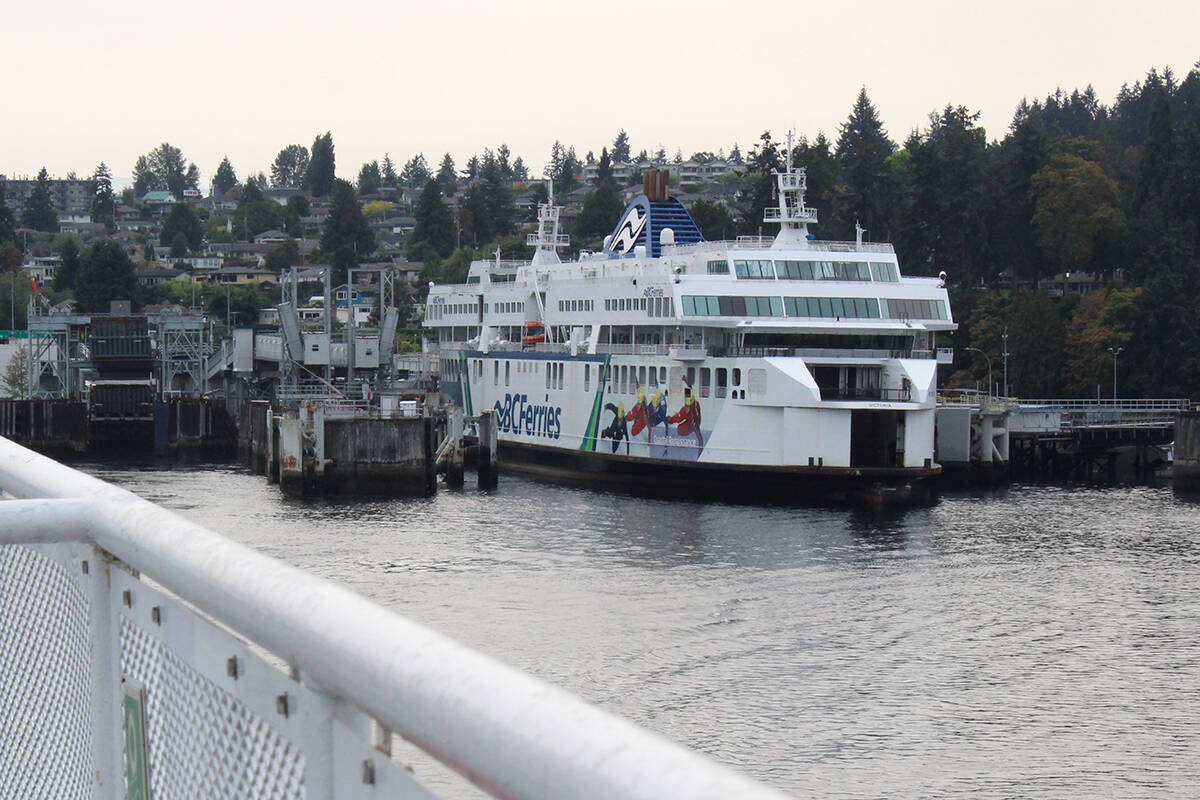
(653, 306)
(763, 269)
(622, 379)
(440, 310)
(495, 278)
(826, 307)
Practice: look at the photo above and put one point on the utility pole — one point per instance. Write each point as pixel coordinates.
(1005, 354)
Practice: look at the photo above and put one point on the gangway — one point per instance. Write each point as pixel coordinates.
(142, 655)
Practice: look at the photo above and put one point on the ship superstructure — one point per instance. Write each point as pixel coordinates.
(763, 365)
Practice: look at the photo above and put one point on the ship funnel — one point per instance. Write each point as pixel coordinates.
(654, 184)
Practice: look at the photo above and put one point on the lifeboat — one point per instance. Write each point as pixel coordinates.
(534, 333)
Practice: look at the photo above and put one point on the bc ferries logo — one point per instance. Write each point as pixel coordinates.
(630, 230)
(515, 414)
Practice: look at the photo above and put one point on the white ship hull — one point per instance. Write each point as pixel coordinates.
(763, 426)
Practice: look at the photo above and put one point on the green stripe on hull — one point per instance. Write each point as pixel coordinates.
(593, 426)
(462, 356)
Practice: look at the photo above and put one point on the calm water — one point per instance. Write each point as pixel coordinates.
(1042, 642)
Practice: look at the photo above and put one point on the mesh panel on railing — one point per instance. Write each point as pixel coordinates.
(201, 742)
(45, 679)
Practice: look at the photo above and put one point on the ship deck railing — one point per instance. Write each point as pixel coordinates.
(751, 242)
(147, 656)
(695, 351)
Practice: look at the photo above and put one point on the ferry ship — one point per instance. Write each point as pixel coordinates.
(781, 367)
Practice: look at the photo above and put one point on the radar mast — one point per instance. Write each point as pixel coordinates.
(792, 215)
(547, 240)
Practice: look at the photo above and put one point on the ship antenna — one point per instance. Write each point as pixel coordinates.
(547, 240)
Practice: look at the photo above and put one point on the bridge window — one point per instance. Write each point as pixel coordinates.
(718, 267)
(885, 273)
(794, 270)
(914, 309)
(754, 270)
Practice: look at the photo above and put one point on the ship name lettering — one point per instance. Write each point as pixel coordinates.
(515, 414)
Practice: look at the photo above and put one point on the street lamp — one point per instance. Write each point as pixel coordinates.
(989, 363)
(1115, 353)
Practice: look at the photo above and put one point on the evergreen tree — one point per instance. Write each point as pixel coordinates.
(434, 226)
(182, 220)
(144, 179)
(1158, 153)
(105, 274)
(759, 192)
(447, 178)
(601, 209)
(387, 171)
(369, 178)
(346, 239)
(179, 246)
(39, 206)
(225, 178)
(103, 203)
(290, 167)
(68, 270)
(474, 217)
(415, 172)
(519, 171)
(620, 148)
(498, 197)
(950, 192)
(8, 223)
(255, 213)
(823, 193)
(863, 149)
(319, 176)
(714, 220)
(293, 214)
(565, 167)
(472, 170)
(1015, 160)
(604, 168)
(506, 170)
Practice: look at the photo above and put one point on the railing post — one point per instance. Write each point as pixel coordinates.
(107, 735)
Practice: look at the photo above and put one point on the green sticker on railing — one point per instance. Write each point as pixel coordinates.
(136, 783)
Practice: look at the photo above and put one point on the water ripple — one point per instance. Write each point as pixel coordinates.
(1035, 642)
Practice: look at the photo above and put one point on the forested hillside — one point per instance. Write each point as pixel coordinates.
(1074, 186)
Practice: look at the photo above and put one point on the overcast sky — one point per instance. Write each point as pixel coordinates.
(87, 82)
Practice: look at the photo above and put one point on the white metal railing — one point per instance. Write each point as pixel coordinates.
(851, 247)
(101, 671)
(1171, 404)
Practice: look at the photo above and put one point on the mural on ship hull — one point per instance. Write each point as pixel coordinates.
(649, 428)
